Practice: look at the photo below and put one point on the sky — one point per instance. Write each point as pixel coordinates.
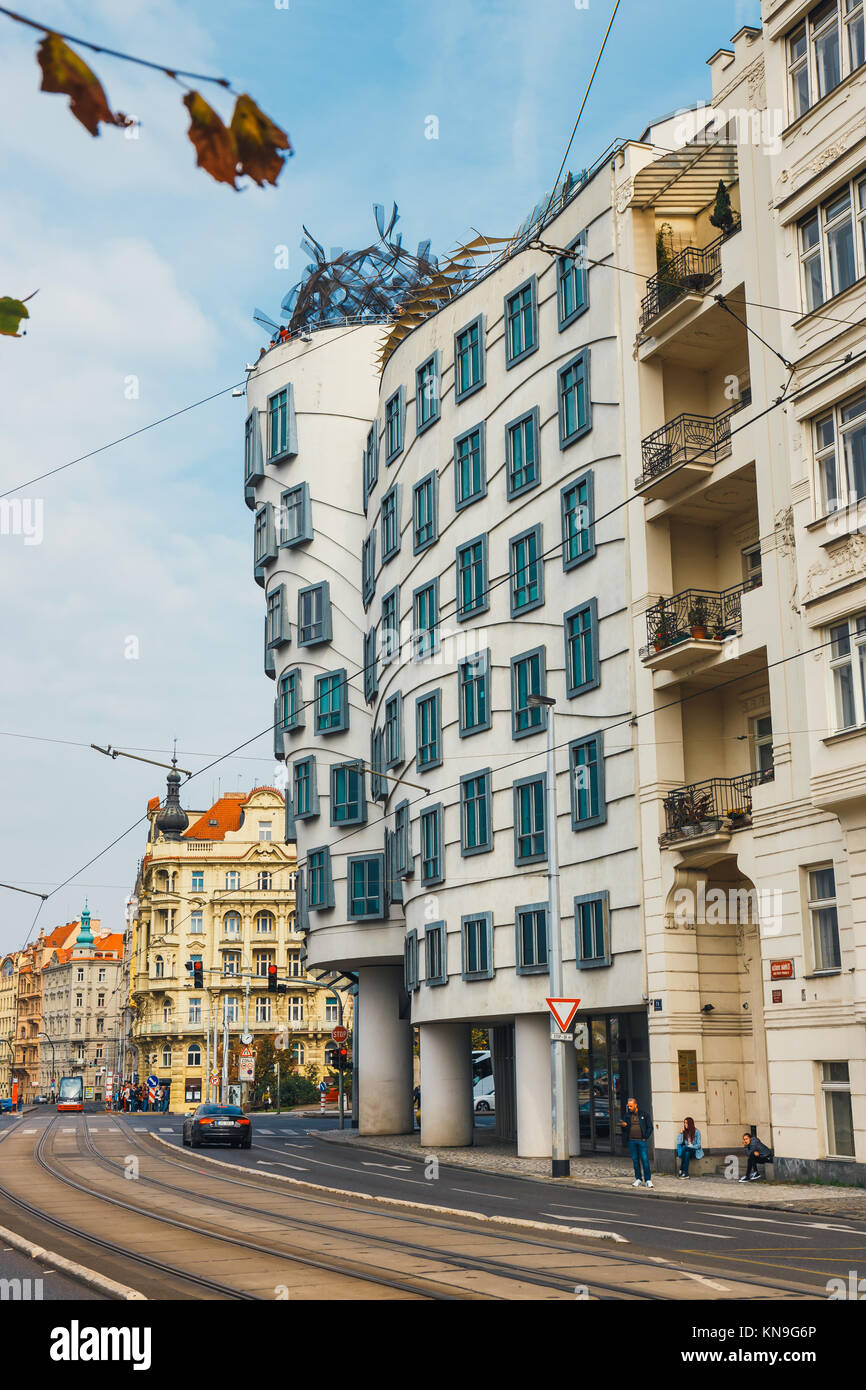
(130, 615)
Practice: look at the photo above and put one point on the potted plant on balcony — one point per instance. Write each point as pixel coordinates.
(698, 619)
(722, 215)
(668, 282)
(665, 630)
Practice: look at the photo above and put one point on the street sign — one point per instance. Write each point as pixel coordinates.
(153, 1081)
(563, 1011)
(339, 1034)
(214, 1076)
(247, 1069)
(561, 1037)
(247, 1052)
(781, 970)
(246, 1039)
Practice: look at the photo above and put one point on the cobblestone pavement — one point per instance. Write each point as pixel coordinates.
(613, 1172)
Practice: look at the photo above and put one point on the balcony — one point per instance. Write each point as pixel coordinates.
(718, 805)
(692, 624)
(682, 283)
(685, 450)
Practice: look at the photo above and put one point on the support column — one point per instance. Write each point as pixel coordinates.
(532, 1067)
(446, 1084)
(385, 1053)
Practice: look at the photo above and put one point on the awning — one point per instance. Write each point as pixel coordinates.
(685, 180)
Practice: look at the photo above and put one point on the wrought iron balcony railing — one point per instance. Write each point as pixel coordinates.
(702, 614)
(701, 807)
(693, 270)
(699, 438)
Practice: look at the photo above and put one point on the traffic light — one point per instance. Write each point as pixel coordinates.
(198, 974)
(341, 1059)
(272, 979)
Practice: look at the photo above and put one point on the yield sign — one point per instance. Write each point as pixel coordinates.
(563, 1011)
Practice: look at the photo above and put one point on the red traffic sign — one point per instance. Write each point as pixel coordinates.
(563, 1011)
(247, 1052)
(339, 1034)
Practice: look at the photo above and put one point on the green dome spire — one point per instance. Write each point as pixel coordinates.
(85, 936)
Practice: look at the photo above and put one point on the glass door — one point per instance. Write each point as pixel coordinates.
(597, 1083)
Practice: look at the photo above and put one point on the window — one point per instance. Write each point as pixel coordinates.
(282, 430)
(840, 455)
(477, 946)
(348, 799)
(306, 795)
(366, 877)
(527, 572)
(295, 518)
(371, 676)
(581, 649)
(231, 962)
(410, 961)
(232, 1008)
(522, 454)
(761, 743)
(253, 470)
(390, 521)
(371, 462)
(196, 923)
(79, 998)
(578, 531)
(425, 615)
(332, 703)
(848, 666)
(332, 1010)
(390, 626)
(233, 879)
(100, 1001)
(195, 1011)
(158, 970)
(321, 891)
(264, 881)
(823, 918)
(166, 1057)
(393, 730)
(751, 560)
(474, 691)
(378, 784)
(587, 782)
(833, 244)
(395, 421)
(264, 921)
(298, 1053)
(261, 961)
(530, 838)
(193, 1056)
(314, 614)
(430, 825)
(531, 938)
(822, 50)
(472, 590)
(572, 286)
(575, 412)
(197, 880)
(424, 513)
(368, 568)
(403, 851)
(435, 969)
(265, 827)
(469, 359)
(591, 930)
(293, 968)
(470, 481)
(289, 702)
(427, 393)
(428, 731)
(80, 973)
(836, 1089)
(232, 920)
(476, 829)
(528, 677)
(521, 322)
(263, 1009)
(264, 538)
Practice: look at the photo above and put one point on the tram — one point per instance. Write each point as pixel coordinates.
(71, 1093)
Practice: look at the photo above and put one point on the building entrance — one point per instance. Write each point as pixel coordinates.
(612, 1064)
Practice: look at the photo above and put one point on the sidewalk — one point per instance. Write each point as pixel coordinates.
(613, 1173)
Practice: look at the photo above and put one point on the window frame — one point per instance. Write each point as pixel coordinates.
(390, 518)
(422, 424)
(520, 966)
(327, 879)
(430, 482)
(398, 396)
(290, 445)
(586, 478)
(325, 635)
(464, 615)
(305, 512)
(531, 417)
(368, 568)
(278, 628)
(518, 787)
(433, 932)
(348, 765)
(516, 661)
(468, 730)
(381, 911)
(485, 845)
(593, 681)
(393, 742)
(512, 359)
(419, 653)
(342, 714)
(486, 918)
(433, 698)
(600, 818)
(411, 973)
(578, 270)
(815, 905)
(580, 360)
(387, 652)
(581, 961)
(533, 533)
(463, 393)
(313, 808)
(432, 815)
(461, 502)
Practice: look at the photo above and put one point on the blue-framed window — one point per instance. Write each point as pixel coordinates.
(425, 527)
(277, 627)
(365, 876)
(592, 930)
(295, 516)
(393, 730)
(572, 283)
(391, 522)
(371, 462)
(477, 946)
(532, 938)
(395, 424)
(530, 829)
(289, 702)
(378, 785)
(282, 427)
(411, 974)
(320, 893)
(403, 859)
(332, 702)
(254, 469)
(430, 834)
(528, 677)
(264, 541)
(469, 359)
(578, 530)
(476, 819)
(314, 614)
(435, 954)
(527, 571)
(393, 881)
(473, 595)
(368, 568)
(371, 675)
(305, 791)
(582, 671)
(470, 481)
(473, 678)
(522, 454)
(521, 322)
(425, 619)
(390, 643)
(575, 410)
(586, 765)
(348, 796)
(427, 393)
(428, 731)
(198, 880)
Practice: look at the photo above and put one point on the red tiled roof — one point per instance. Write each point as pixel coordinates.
(153, 803)
(275, 790)
(227, 812)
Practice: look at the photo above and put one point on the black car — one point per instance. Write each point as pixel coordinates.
(218, 1124)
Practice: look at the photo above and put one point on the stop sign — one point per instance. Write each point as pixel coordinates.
(339, 1034)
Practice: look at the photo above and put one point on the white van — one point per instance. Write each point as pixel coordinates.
(483, 1096)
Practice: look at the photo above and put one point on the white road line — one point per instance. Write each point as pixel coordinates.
(708, 1283)
(477, 1193)
(167, 1131)
(403, 1167)
(140, 1131)
(769, 1234)
(649, 1225)
(30, 1131)
(297, 1167)
(777, 1221)
(269, 1132)
(344, 1168)
(67, 1131)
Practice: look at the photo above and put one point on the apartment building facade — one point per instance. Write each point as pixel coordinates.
(8, 1017)
(82, 1005)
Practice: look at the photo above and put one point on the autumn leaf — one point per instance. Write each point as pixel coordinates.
(63, 71)
(257, 140)
(12, 311)
(214, 142)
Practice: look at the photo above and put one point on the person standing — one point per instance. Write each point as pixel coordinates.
(637, 1128)
(688, 1146)
(757, 1153)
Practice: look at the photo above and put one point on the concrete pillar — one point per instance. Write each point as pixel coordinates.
(446, 1084)
(532, 1067)
(384, 1053)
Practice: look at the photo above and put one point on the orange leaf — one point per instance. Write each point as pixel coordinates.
(63, 71)
(214, 142)
(257, 140)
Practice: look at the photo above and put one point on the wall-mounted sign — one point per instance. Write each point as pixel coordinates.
(777, 996)
(688, 1070)
(781, 970)
(657, 1006)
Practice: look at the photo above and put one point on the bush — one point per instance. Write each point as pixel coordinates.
(297, 1090)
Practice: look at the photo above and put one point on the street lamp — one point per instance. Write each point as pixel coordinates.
(560, 1156)
(53, 1067)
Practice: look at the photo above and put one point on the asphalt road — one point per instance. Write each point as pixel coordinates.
(45, 1284)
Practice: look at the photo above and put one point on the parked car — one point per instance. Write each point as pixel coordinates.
(218, 1124)
(485, 1104)
(40, 1100)
(7, 1105)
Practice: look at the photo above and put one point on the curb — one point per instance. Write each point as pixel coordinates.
(416, 1206)
(80, 1272)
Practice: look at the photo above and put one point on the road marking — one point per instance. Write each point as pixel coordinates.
(297, 1167)
(708, 1283)
(769, 1234)
(355, 1172)
(31, 1131)
(136, 1130)
(650, 1225)
(67, 1131)
(264, 1131)
(775, 1221)
(165, 1131)
(477, 1193)
(403, 1167)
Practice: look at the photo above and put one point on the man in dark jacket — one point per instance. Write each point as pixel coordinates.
(637, 1128)
(758, 1153)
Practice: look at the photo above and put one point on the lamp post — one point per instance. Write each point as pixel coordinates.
(53, 1067)
(560, 1157)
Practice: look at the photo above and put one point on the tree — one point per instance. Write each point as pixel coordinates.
(723, 214)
